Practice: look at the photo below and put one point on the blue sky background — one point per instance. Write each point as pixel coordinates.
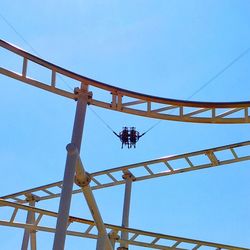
(163, 48)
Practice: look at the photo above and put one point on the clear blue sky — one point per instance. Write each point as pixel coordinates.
(162, 48)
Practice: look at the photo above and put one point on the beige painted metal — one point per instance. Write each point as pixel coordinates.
(87, 229)
(33, 232)
(128, 101)
(73, 150)
(129, 178)
(82, 179)
(29, 234)
(65, 197)
(208, 158)
(132, 103)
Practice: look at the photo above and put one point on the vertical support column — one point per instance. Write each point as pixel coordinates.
(30, 220)
(72, 156)
(33, 232)
(129, 178)
(26, 234)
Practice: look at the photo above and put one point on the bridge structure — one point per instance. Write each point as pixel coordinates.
(78, 180)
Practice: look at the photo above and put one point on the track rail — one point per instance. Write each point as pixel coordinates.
(87, 229)
(170, 165)
(118, 99)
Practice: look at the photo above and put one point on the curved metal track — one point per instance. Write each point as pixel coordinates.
(164, 166)
(87, 229)
(118, 99)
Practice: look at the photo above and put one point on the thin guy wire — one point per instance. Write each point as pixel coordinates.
(154, 125)
(196, 92)
(219, 73)
(101, 119)
(20, 36)
(29, 45)
(212, 79)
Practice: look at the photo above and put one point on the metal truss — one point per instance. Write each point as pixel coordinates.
(122, 100)
(87, 229)
(89, 91)
(170, 165)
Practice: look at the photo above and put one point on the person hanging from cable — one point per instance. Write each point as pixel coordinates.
(127, 136)
(124, 137)
(134, 137)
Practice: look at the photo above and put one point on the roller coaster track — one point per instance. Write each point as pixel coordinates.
(113, 98)
(122, 100)
(86, 229)
(165, 166)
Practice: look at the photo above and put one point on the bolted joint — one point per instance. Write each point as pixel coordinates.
(33, 231)
(72, 149)
(83, 91)
(76, 91)
(82, 182)
(113, 235)
(90, 95)
(128, 175)
(31, 197)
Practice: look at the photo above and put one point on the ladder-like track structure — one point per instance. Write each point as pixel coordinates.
(121, 100)
(127, 101)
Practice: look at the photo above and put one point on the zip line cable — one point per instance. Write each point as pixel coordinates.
(34, 50)
(29, 45)
(219, 73)
(99, 117)
(106, 124)
(153, 126)
(18, 34)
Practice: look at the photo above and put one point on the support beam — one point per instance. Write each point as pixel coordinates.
(82, 179)
(26, 235)
(228, 154)
(129, 178)
(114, 237)
(73, 151)
(86, 229)
(33, 231)
(155, 107)
(30, 220)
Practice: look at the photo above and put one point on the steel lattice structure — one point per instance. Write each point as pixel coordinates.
(121, 100)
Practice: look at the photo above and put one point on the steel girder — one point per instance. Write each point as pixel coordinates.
(208, 158)
(122, 100)
(87, 229)
(126, 101)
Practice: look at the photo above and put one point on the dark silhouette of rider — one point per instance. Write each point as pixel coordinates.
(129, 136)
(124, 136)
(134, 136)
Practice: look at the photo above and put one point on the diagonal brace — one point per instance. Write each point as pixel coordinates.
(83, 179)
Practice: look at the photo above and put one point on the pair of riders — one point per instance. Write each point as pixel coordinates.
(129, 136)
